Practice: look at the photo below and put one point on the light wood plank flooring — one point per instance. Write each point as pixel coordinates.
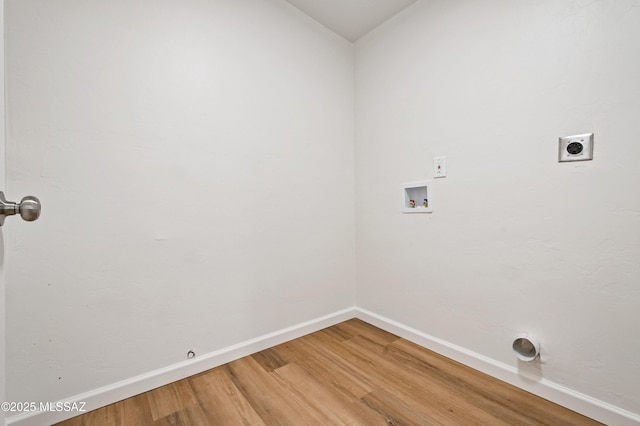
(348, 374)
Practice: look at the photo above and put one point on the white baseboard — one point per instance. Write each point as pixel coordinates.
(584, 404)
(145, 382)
(576, 401)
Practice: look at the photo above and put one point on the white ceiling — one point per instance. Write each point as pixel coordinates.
(351, 18)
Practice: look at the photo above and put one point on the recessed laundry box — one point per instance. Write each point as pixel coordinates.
(417, 197)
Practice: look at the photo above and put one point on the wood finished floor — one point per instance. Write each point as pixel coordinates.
(348, 374)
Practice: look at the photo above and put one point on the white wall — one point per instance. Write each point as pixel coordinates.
(517, 241)
(195, 164)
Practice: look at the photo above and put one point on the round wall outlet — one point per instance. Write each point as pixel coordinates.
(576, 148)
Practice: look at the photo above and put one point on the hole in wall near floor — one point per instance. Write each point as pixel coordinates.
(191, 355)
(526, 347)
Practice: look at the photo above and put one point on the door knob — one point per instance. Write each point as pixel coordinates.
(28, 208)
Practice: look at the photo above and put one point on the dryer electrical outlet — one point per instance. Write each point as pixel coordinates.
(576, 148)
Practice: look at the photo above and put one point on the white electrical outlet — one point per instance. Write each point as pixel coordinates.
(576, 148)
(439, 167)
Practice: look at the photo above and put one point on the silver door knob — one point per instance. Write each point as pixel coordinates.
(28, 208)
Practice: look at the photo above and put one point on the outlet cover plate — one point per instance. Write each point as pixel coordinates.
(576, 148)
(439, 167)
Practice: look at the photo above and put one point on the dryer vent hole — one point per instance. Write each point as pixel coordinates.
(526, 347)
